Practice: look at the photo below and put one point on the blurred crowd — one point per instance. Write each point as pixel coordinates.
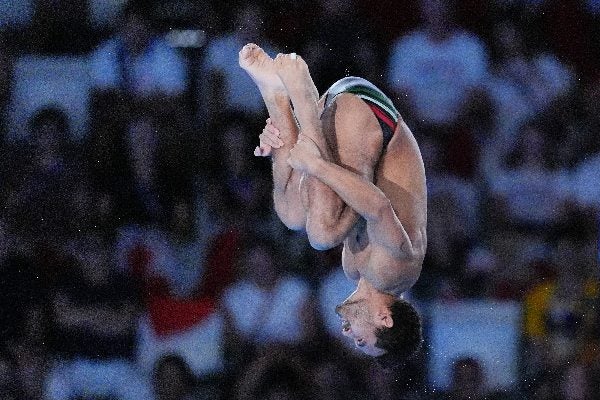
(139, 251)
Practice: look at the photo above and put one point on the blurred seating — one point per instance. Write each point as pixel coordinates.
(104, 13)
(15, 13)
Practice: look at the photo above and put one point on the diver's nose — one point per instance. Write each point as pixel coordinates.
(346, 330)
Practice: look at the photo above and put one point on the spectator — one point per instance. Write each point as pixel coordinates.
(559, 318)
(221, 59)
(94, 312)
(523, 84)
(93, 211)
(173, 380)
(249, 189)
(448, 236)
(586, 182)
(183, 271)
(142, 145)
(529, 189)
(136, 60)
(575, 285)
(438, 66)
(536, 301)
(264, 306)
(37, 208)
(338, 371)
(478, 277)
(463, 194)
(276, 376)
(467, 381)
(177, 253)
(141, 164)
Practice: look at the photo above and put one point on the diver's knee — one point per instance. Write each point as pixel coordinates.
(321, 238)
(319, 244)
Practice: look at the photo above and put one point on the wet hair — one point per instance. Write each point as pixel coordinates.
(403, 339)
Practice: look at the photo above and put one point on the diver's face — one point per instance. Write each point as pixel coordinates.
(359, 324)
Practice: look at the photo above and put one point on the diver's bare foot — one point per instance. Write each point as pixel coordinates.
(296, 78)
(261, 69)
(294, 74)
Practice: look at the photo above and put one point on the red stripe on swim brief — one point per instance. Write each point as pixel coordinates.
(383, 116)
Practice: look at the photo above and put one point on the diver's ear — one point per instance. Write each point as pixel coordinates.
(386, 319)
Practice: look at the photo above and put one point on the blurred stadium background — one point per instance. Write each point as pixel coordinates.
(140, 257)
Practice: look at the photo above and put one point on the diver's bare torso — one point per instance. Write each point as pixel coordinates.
(401, 177)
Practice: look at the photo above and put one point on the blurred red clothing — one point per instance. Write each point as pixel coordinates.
(170, 314)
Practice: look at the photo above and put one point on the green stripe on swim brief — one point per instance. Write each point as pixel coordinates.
(378, 98)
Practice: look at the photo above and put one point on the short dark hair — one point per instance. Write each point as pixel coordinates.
(141, 9)
(403, 339)
(50, 114)
(177, 361)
